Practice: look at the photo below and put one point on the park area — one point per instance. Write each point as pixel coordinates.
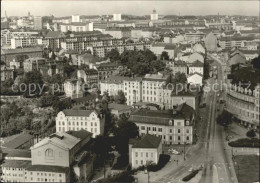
(247, 168)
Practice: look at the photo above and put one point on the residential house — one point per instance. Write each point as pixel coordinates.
(195, 79)
(173, 126)
(146, 149)
(196, 66)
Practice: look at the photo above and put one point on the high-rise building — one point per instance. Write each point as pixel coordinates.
(37, 22)
(117, 17)
(154, 15)
(75, 18)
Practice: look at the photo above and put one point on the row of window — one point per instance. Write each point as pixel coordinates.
(62, 129)
(142, 153)
(77, 123)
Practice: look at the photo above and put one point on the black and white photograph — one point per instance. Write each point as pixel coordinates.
(149, 91)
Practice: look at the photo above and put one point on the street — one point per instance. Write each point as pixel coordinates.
(211, 150)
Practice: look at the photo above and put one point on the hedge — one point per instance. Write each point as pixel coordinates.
(245, 142)
(163, 160)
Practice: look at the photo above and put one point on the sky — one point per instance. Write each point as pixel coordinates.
(60, 8)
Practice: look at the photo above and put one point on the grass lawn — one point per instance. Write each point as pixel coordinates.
(248, 168)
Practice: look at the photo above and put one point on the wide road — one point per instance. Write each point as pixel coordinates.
(211, 150)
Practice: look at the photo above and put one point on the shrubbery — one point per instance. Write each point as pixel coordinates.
(163, 160)
(245, 142)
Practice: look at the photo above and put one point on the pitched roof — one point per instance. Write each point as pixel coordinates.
(18, 141)
(54, 34)
(16, 164)
(82, 134)
(21, 50)
(197, 63)
(161, 117)
(195, 73)
(71, 112)
(7, 152)
(60, 139)
(147, 141)
(48, 168)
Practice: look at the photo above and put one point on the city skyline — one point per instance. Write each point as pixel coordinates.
(130, 7)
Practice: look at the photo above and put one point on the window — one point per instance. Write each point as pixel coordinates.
(142, 127)
(187, 131)
(179, 130)
(49, 153)
(136, 154)
(170, 137)
(160, 129)
(141, 162)
(179, 137)
(154, 129)
(152, 155)
(147, 154)
(188, 138)
(136, 162)
(141, 154)
(170, 130)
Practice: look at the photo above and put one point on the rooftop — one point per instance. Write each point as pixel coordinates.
(82, 134)
(71, 112)
(60, 139)
(147, 141)
(18, 141)
(197, 63)
(160, 117)
(16, 164)
(48, 168)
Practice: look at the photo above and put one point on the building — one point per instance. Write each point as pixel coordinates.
(196, 67)
(37, 23)
(33, 64)
(158, 48)
(180, 66)
(86, 59)
(211, 42)
(90, 78)
(22, 141)
(76, 120)
(235, 41)
(53, 159)
(195, 79)
(199, 48)
(154, 15)
(7, 73)
(75, 18)
(130, 86)
(144, 150)
(194, 57)
(74, 88)
(119, 109)
(117, 17)
(8, 55)
(173, 126)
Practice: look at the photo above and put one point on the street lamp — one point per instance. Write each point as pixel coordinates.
(184, 151)
(237, 169)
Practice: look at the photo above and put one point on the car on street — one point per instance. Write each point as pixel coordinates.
(173, 151)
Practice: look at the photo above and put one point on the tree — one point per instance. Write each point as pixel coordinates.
(48, 100)
(33, 84)
(120, 97)
(113, 55)
(180, 77)
(123, 133)
(165, 56)
(251, 133)
(256, 62)
(60, 105)
(53, 56)
(69, 70)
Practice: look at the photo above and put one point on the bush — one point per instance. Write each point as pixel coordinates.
(163, 160)
(251, 134)
(245, 142)
(190, 176)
